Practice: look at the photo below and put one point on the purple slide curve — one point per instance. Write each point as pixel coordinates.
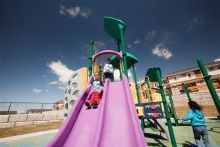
(113, 124)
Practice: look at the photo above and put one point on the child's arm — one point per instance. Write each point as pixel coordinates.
(189, 116)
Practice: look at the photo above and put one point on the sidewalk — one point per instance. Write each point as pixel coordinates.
(184, 135)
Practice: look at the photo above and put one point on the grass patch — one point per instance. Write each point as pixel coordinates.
(19, 130)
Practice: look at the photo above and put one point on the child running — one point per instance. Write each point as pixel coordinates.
(198, 123)
(96, 95)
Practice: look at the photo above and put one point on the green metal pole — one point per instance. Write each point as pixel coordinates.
(173, 109)
(119, 49)
(209, 84)
(90, 57)
(170, 127)
(118, 45)
(100, 72)
(123, 50)
(187, 91)
(148, 87)
(136, 85)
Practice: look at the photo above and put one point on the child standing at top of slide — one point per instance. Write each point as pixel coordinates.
(108, 70)
(96, 95)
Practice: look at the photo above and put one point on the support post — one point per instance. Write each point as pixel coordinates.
(136, 85)
(187, 91)
(170, 127)
(9, 107)
(90, 57)
(173, 109)
(208, 81)
(123, 51)
(41, 109)
(100, 72)
(147, 81)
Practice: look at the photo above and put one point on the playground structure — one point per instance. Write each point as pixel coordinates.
(115, 122)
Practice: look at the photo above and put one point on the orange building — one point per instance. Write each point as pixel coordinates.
(193, 78)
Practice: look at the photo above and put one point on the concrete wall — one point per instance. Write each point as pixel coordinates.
(202, 98)
(7, 121)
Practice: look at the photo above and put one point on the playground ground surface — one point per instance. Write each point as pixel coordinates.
(183, 134)
(19, 130)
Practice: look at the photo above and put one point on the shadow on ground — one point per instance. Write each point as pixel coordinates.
(157, 138)
(214, 129)
(188, 144)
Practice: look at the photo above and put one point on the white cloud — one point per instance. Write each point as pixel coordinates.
(62, 12)
(85, 13)
(216, 60)
(117, 75)
(161, 51)
(137, 41)
(129, 46)
(74, 11)
(61, 87)
(151, 35)
(130, 77)
(61, 70)
(35, 90)
(194, 22)
(99, 45)
(168, 38)
(54, 83)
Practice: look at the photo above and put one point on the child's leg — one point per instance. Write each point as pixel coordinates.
(197, 133)
(205, 137)
(107, 75)
(92, 97)
(112, 77)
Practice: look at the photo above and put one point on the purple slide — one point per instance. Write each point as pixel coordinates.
(113, 124)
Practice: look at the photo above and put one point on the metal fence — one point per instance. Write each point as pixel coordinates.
(25, 107)
(13, 112)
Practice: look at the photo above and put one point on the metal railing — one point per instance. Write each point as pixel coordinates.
(25, 111)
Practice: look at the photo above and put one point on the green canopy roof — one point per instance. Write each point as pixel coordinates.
(112, 26)
(131, 60)
(151, 73)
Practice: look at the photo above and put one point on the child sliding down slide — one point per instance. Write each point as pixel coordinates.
(96, 94)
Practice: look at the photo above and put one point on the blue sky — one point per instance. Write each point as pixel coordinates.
(42, 42)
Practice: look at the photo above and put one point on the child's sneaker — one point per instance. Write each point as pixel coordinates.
(88, 105)
(95, 105)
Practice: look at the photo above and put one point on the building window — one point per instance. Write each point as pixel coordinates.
(211, 69)
(76, 93)
(74, 84)
(189, 75)
(174, 78)
(74, 76)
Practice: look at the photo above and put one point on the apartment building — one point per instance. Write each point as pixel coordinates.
(148, 93)
(193, 78)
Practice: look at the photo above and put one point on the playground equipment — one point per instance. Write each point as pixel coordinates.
(155, 75)
(115, 122)
(209, 84)
(185, 87)
(173, 109)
